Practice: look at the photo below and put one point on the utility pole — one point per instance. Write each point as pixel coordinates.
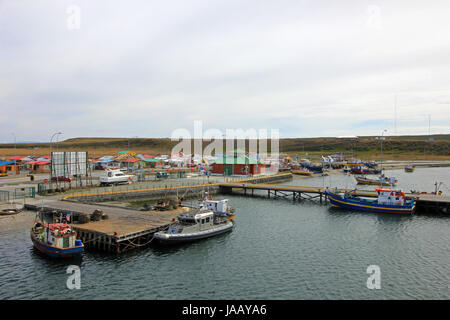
(395, 115)
(381, 149)
(15, 153)
(51, 158)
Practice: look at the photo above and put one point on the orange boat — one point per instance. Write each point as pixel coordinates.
(302, 172)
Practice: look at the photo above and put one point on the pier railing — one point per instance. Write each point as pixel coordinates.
(178, 187)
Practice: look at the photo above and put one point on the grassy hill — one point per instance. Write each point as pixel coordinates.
(368, 147)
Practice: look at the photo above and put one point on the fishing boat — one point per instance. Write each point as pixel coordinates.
(303, 172)
(382, 181)
(364, 170)
(389, 201)
(54, 236)
(220, 208)
(314, 168)
(409, 168)
(371, 164)
(194, 225)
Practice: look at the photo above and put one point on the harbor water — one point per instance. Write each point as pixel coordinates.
(277, 250)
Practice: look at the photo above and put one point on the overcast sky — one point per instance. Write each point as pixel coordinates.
(146, 68)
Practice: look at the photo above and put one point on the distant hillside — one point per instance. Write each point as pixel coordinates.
(369, 146)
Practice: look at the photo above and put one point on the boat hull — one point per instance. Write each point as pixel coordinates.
(55, 252)
(303, 173)
(167, 238)
(373, 182)
(340, 202)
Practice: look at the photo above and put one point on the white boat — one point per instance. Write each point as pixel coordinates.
(382, 180)
(114, 176)
(194, 225)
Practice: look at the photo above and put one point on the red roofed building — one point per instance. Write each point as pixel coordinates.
(39, 166)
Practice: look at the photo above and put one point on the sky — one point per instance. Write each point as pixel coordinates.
(146, 68)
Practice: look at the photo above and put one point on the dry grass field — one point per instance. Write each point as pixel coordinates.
(395, 148)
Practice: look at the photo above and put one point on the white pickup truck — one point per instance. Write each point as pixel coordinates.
(115, 177)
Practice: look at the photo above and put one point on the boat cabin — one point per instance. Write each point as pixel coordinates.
(52, 229)
(60, 235)
(390, 197)
(114, 173)
(217, 205)
(196, 218)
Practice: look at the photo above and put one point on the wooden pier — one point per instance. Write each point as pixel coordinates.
(425, 203)
(124, 229)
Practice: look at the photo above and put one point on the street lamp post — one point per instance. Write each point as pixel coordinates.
(15, 153)
(381, 147)
(51, 158)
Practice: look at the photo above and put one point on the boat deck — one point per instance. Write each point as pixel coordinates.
(124, 228)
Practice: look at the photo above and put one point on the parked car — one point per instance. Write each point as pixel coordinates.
(68, 179)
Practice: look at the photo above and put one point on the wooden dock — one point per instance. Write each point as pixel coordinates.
(425, 203)
(123, 230)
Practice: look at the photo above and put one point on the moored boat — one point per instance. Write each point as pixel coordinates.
(389, 201)
(57, 240)
(9, 212)
(194, 225)
(364, 170)
(382, 180)
(303, 172)
(220, 208)
(409, 168)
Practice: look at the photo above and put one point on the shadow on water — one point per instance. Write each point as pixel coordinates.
(383, 217)
(44, 260)
(167, 249)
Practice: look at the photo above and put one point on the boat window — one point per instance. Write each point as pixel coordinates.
(203, 220)
(207, 219)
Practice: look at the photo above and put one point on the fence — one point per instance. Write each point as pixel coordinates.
(4, 196)
(26, 192)
(18, 193)
(165, 187)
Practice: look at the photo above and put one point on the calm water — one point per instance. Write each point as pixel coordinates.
(278, 250)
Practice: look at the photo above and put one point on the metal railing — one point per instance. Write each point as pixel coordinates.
(153, 186)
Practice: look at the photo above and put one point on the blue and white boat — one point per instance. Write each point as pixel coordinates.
(55, 238)
(389, 201)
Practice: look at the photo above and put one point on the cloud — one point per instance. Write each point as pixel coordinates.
(145, 68)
